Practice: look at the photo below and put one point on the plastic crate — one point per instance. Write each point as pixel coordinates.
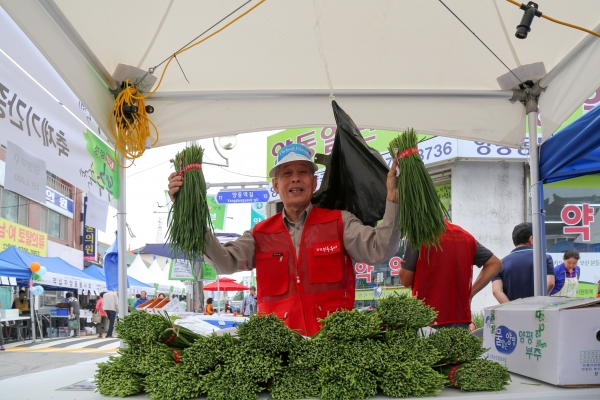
(59, 311)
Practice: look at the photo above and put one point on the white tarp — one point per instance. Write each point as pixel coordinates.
(390, 64)
(139, 271)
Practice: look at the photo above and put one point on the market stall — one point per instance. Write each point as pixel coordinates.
(139, 271)
(135, 286)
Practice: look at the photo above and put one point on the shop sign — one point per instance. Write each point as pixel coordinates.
(90, 238)
(208, 273)
(27, 239)
(71, 282)
(572, 215)
(69, 254)
(25, 173)
(59, 203)
(35, 121)
(363, 271)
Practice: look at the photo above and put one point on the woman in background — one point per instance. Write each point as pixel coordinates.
(567, 275)
(209, 310)
(103, 325)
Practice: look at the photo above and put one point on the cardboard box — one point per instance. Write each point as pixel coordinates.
(9, 313)
(552, 339)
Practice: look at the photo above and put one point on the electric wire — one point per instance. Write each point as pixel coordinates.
(131, 130)
(482, 42)
(557, 21)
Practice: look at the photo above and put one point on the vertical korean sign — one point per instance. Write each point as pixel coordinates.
(217, 212)
(89, 238)
(258, 213)
(33, 120)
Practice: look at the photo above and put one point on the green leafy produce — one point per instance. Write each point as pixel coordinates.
(295, 383)
(411, 379)
(310, 353)
(421, 212)
(404, 311)
(142, 327)
(456, 345)
(148, 358)
(268, 333)
(174, 384)
(350, 326)
(207, 352)
(346, 382)
(478, 375)
(221, 385)
(189, 217)
(113, 378)
(408, 346)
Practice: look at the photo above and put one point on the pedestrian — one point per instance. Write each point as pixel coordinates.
(103, 325)
(110, 304)
(249, 303)
(443, 278)
(515, 280)
(141, 300)
(566, 275)
(161, 296)
(73, 314)
(303, 255)
(208, 309)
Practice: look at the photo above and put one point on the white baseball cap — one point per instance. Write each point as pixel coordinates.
(292, 152)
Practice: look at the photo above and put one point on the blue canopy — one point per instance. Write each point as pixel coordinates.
(165, 250)
(574, 151)
(16, 263)
(98, 273)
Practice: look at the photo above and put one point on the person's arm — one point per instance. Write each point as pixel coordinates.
(489, 270)
(379, 244)
(231, 257)
(550, 279)
(408, 267)
(499, 292)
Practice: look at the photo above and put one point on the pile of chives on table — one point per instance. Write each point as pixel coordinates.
(421, 212)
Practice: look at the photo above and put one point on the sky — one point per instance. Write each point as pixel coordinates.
(147, 180)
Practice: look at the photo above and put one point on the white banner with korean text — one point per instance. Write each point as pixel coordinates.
(33, 120)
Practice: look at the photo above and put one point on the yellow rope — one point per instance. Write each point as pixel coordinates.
(133, 136)
(516, 3)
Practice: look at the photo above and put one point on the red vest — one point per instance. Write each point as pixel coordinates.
(443, 278)
(300, 289)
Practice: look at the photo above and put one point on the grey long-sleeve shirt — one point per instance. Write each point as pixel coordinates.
(363, 243)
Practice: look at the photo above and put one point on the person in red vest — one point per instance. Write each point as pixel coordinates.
(443, 278)
(303, 255)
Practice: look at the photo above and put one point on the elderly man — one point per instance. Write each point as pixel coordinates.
(303, 256)
(141, 300)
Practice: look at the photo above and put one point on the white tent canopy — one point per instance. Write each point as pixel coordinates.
(390, 64)
(165, 285)
(139, 271)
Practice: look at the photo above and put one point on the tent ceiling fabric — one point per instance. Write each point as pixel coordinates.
(275, 67)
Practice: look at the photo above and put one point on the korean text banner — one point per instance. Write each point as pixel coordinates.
(27, 239)
(33, 120)
(217, 212)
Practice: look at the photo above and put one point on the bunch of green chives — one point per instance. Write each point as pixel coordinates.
(421, 213)
(189, 217)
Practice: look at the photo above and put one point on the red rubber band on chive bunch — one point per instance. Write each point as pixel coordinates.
(188, 167)
(408, 152)
(177, 356)
(451, 376)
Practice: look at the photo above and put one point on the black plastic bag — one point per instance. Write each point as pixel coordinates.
(355, 176)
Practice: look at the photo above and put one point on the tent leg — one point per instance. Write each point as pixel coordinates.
(540, 287)
(122, 238)
(32, 313)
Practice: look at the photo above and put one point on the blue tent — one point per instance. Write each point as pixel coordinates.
(15, 262)
(98, 273)
(574, 151)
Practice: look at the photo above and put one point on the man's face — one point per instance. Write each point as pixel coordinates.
(295, 183)
(21, 296)
(253, 292)
(143, 295)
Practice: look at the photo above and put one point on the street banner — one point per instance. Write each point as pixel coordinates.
(258, 213)
(181, 270)
(207, 273)
(27, 239)
(33, 120)
(25, 173)
(96, 212)
(217, 212)
(90, 237)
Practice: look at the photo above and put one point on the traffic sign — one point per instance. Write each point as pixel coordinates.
(242, 196)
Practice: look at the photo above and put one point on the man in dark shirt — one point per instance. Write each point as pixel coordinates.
(515, 280)
(443, 278)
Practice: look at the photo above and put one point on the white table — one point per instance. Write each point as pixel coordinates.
(23, 318)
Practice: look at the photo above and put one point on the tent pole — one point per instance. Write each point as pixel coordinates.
(32, 314)
(122, 234)
(539, 273)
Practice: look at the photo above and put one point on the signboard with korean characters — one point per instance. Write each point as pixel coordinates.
(27, 239)
(33, 120)
(25, 173)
